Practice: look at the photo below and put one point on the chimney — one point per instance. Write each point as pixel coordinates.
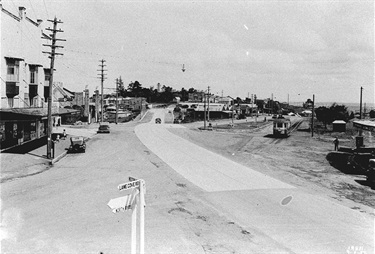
(22, 12)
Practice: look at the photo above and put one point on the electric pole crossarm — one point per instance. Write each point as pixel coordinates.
(53, 46)
(55, 21)
(52, 30)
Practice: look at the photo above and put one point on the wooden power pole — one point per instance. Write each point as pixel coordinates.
(102, 78)
(116, 119)
(52, 54)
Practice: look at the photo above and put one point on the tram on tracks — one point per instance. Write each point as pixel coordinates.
(281, 126)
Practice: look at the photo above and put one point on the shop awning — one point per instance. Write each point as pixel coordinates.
(365, 124)
(18, 58)
(37, 112)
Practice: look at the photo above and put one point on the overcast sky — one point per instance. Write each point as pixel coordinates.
(237, 48)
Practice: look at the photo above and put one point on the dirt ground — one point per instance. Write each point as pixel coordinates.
(299, 160)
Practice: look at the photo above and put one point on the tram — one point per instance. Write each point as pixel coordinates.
(281, 126)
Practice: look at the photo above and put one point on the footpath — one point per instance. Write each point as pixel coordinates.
(17, 163)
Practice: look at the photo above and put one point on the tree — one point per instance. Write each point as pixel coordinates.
(308, 104)
(135, 89)
(192, 90)
(324, 115)
(167, 95)
(184, 95)
(339, 112)
(335, 112)
(351, 115)
(372, 113)
(121, 88)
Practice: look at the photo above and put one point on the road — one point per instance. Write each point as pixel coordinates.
(221, 207)
(301, 222)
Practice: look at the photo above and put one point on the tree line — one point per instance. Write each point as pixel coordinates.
(327, 115)
(152, 95)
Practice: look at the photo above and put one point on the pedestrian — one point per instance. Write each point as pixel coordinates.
(64, 134)
(336, 142)
(57, 138)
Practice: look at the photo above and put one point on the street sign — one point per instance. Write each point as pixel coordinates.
(129, 185)
(132, 201)
(122, 204)
(133, 184)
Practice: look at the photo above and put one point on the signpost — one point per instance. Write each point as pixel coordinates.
(131, 201)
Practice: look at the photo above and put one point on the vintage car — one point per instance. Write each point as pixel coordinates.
(77, 145)
(158, 121)
(104, 128)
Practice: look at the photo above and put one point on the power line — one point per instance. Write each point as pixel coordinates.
(45, 8)
(32, 7)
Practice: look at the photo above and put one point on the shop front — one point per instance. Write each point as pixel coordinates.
(18, 126)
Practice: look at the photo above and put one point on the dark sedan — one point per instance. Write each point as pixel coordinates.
(103, 128)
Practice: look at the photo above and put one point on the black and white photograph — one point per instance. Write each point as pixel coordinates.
(187, 127)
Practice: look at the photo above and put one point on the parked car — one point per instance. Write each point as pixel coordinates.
(77, 145)
(104, 128)
(158, 121)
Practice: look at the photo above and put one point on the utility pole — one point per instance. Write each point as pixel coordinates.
(96, 104)
(312, 117)
(208, 104)
(52, 57)
(204, 106)
(360, 104)
(102, 78)
(360, 110)
(116, 120)
(232, 111)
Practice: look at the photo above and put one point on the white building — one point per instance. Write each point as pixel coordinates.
(24, 68)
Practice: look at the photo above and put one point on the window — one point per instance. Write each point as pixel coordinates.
(13, 67)
(10, 102)
(47, 75)
(33, 74)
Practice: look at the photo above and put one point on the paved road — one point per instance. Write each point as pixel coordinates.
(300, 221)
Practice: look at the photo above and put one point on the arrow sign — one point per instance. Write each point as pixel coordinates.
(122, 204)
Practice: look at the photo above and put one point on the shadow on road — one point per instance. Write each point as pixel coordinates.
(275, 137)
(27, 147)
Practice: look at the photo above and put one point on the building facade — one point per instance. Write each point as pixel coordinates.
(25, 76)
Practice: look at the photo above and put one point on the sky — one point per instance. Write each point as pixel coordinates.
(285, 49)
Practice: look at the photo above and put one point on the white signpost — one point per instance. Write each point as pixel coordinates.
(131, 201)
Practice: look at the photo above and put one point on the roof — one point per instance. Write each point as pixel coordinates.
(365, 124)
(307, 112)
(339, 122)
(38, 111)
